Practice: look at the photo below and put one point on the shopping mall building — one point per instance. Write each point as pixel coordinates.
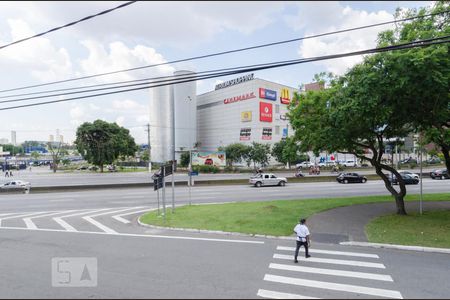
(242, 110)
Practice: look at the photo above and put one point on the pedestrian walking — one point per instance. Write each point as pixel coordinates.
(303, 238)
(6, 173)
(10, 174)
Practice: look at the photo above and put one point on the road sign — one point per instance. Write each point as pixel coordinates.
(166, 170)
(193, 173)
(157, 183)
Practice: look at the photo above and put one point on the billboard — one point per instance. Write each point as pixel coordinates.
(265, 112)
(209, 158)
(267, 94)
(245, 134)
(267, 133)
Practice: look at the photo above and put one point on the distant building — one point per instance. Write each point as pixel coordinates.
(3, 141)
(13, 138)
(314, 86)
(51, 138)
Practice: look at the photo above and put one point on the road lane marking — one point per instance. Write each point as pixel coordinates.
(332, 261)
(69, 227)
(331, 272)
(30, 223)
(23, 215)
(335, 286)
(331, 252)
(279, 295)
(100, 225)
(140, 235)
(125, 221)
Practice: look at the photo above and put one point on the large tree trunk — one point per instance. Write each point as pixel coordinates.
(399, 196)
(445, 150)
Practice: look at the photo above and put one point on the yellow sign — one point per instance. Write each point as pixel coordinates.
(246, 116)
(285, 96)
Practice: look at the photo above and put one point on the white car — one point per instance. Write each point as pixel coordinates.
(350, 163)
(266, 179)
(16, 185)
(413, 175)
(304, 164)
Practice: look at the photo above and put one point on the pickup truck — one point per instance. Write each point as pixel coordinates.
(266, 179)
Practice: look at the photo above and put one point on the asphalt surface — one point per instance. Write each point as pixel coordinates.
(138, 262)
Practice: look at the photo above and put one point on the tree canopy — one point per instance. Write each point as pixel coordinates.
(101, 142)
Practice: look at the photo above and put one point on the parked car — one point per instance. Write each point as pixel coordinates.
(112, 168)
(414, 175)
(16, 185)
(433, 160)
(350, 163)
(82, 168)
(407, 178)
(266, 179)
(408, 160)
(350, 177)
(440, 173)
(304, 164)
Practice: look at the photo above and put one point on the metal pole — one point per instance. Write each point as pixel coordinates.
(157, 197)
(190, 175)
(421, 188)
(164, 198)
(173, 186)
(149, 149)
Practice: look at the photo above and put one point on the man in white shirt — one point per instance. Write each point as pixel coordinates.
(303, 234)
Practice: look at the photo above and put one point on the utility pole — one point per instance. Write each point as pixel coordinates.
(149, 149)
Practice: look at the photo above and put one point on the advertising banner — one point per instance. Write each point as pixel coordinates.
(245, 134)
(209, 158)
(267, 94)
(267, 133)
(265, 112)
(246, 116)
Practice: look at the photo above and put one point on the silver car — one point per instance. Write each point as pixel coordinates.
(16, 185)
(266, 179)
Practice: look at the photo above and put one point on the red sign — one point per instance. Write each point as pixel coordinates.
(265, 112)
(239, 98)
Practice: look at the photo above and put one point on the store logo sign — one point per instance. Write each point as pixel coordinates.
(267, 94)
(285, 96)
(239, 98)
(246, 116)
(265, 112)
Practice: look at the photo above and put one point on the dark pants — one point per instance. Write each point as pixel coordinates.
(299, 244)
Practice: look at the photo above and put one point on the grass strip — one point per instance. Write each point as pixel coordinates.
(431, 229)
(263, 217)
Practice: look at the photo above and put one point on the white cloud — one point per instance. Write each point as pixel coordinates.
(120, 120)
(331, 16)
(126, 105)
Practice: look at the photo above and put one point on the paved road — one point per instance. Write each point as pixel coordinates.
(201, 194)
(138, 262)
(44, 177)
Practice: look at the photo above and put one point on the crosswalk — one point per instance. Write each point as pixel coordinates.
(326, 274)
(99, 219)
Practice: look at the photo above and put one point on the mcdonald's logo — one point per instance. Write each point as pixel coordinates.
(285, 96)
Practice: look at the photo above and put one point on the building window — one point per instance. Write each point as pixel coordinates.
(277, 130)
(277, 108)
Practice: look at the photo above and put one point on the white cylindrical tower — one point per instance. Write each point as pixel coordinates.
(185, 112)
(161, 124)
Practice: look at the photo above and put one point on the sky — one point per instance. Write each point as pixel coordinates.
(151, 32)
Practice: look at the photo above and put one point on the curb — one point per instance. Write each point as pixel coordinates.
(398, 247)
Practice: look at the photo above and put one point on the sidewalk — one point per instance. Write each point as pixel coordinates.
(347, 223)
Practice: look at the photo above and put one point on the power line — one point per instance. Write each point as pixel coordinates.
(421, 43)
(69, 24)
(214, 73)
(228, 52)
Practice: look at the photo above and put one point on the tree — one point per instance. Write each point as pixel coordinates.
(102, 143)
(287, 151)
(347, 118)
(235, 153)
(427, 84)
(35, 155)
(259, 154)
(185, 159)
(57, 152)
